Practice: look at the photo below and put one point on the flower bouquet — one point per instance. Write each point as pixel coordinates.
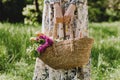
(64, 54)
(40, 43)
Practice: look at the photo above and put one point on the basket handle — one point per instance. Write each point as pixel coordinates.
(58, 20)
(55, 31)
(71, 34)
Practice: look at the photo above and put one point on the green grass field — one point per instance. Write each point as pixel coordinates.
(18, 64)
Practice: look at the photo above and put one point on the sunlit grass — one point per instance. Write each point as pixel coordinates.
(106, 51)
(14, 39)
(17, 64)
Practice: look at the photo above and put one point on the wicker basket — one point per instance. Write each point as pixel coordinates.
(62, 56)
(68, 54)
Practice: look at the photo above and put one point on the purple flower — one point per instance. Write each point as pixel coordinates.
(43, 37)
(47, 39)
(48, 42)
(41, 48)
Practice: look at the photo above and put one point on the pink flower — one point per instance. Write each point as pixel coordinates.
(42, 48)
(47, 39)
(48, 42)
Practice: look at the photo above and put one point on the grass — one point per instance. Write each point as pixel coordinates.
(106, 51)
(17, 64)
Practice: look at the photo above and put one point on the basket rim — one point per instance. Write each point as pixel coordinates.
(89, 40)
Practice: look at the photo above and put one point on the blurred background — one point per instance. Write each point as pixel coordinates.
(19, 19)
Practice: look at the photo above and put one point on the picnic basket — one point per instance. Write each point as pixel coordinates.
(68, 54)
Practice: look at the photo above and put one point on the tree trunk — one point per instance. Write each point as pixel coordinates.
(36, 5)
(80, 28)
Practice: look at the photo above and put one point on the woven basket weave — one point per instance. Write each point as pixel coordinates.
(60, 55)
(67, 54)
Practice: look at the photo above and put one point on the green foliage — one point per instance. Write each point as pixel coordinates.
(99, 10)
(32, 16)
(16, 63)
(104, 10)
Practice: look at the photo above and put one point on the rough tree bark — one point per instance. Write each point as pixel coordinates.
(80, 26)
